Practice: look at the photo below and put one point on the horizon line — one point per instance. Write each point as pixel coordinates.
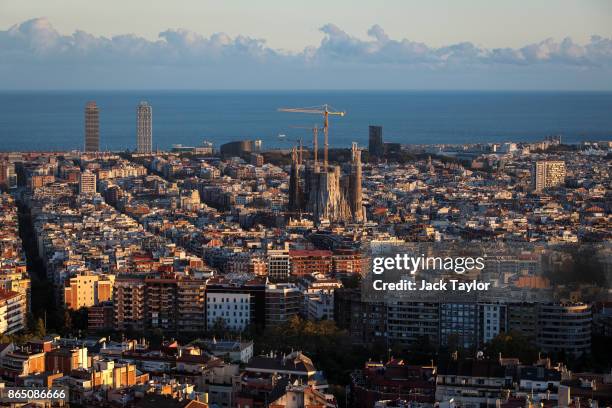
(521, 90)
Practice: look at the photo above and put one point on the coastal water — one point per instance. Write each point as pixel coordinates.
(54, 120)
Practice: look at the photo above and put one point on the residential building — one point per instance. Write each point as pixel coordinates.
(548, 174)
(87, 183)
(87, 289)
(523, 319)
(65, 360)
(307, 262)
(492, 321)
(12, 312)
(101, 316)
(394, 379)
(283, 301)
(412, 321)
(279, 266)
(129, 303)
(459, 325)
(471, 383)
(564, 327)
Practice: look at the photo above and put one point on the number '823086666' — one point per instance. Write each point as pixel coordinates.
(19, 394)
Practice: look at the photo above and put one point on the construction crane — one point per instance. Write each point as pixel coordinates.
(324, 110)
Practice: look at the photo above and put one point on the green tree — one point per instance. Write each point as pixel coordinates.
(39, 328)
(220, 328)
(67, 321)
(512, 344)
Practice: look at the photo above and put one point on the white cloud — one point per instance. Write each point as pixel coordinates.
(36, 42)
(338, 44)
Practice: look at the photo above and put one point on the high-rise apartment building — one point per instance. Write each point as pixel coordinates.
(236, 304)
(175, 304)
(92, 127)
(144, 128)
(547, 174)
(564, 327)
(87, 183)
(279, 266)
(376, 147)
(283, 301)
(492, 321)
(407, 322)
(523, 319)
(129, 301)
(12, 312)
(306, 262)
(87, 290)
(366, 322)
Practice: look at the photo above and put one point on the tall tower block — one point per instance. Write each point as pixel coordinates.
(92, 127)
(144, 128)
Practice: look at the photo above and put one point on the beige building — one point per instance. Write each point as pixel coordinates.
(17, 282)
(87, 183)
(12, 312)
(547, 174)
(88, 290)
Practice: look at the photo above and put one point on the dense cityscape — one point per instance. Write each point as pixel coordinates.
(234, 275)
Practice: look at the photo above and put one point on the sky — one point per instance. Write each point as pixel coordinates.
(274, 44)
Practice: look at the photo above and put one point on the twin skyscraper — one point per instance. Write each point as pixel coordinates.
(144, 128)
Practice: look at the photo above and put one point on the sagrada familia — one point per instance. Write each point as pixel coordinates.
(325, 192)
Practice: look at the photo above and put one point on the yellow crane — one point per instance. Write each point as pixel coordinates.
(324, 110)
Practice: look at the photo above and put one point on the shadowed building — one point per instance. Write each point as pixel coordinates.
(144, 128)
(240, 148)
(92, 127)
(376, 146)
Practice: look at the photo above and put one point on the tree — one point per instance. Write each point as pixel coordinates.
(220, 328)
(352, 281)
(319, 340)
(67, 321)
(512, 344)
(39, 328)
(422, 351)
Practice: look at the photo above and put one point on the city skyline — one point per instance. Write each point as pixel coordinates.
(355, 204)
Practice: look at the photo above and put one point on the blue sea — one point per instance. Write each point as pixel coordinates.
(54, 120)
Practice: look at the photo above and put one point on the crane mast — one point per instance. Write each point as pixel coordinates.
(318, 110)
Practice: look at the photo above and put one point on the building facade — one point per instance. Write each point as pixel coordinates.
(564, 327)
(12, 312)
(92, 127)
(87, 290)
(376, 145)
(548, 174)
(283, 301)
(144, 128)
(87, 183)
